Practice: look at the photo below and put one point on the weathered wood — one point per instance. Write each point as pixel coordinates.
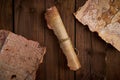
(52, 45)
(6, 15)
(29, 22)
(98, 64)
(92, 52)
(83, 44)
(112, 64)
(66, 9)
(83, 40)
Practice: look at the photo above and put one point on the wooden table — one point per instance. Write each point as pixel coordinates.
(99, 60)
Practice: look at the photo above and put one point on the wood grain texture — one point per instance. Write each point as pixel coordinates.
(29, 19)
(51, 42)
(92, 52)
(6, 15)
(99, 60)
(83, 40)
(29, 22)
(112, 63)
(98, 54)
(66, 9)
(83, 44)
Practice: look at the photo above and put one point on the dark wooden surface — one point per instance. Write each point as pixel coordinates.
(99, 60)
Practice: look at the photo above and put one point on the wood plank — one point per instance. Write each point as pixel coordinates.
(29, 22)
(66, 9)
(112, 64)
(92, 52)
(98, 64)
(83, 40)
(6, 15)
(83, 44)
(52, 45)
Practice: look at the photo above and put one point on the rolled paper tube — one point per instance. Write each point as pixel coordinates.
(55, 23)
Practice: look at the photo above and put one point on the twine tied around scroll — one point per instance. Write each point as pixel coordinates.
(55, 23)
(63, 40)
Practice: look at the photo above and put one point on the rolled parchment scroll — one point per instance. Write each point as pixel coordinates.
(55, 23)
